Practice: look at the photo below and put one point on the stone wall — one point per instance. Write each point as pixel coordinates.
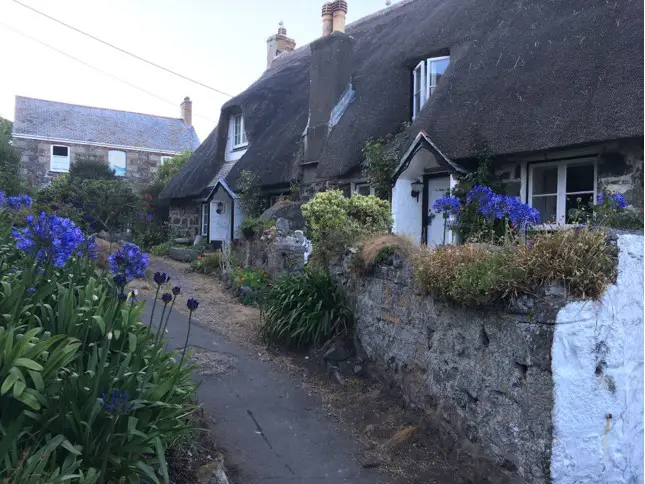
(141, 166)
(545, 390)
(184, 219)
(482, 377)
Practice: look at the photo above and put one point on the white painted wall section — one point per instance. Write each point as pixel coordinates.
(406, 211)
(597, 364)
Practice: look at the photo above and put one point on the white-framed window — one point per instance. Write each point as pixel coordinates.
(425, 77)
(239, 134)
(362, 189)
(59, 160)
(117, 160)
(165, 159)
(204, 219)
(554, 188)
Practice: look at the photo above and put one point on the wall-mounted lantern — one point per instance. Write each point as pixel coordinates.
(220, 208)
(417, 186)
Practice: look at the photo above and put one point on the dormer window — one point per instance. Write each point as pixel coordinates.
(425, 77)
(239, 135)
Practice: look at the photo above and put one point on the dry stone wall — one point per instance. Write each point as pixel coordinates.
(546, 390)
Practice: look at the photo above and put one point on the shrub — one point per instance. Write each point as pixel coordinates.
(86, 391)
(611, 211)
(91, 169)
(380, 162)
(256, 281)
(94, 205)
(336, 222)
(304, 309)
(208, 263)
(10, 180)
(476, 274)
(160, 250)
(252, 228)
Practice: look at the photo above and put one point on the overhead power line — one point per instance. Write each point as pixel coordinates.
(96, 68)
(123, 50)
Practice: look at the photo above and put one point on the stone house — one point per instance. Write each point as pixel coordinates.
(50, 136)
(552, 92)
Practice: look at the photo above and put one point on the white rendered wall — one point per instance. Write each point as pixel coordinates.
(406, 210)
(597, 364)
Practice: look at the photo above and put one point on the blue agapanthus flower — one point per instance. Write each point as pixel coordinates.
(49, 238)
(447, 205)
(494, 206)
(129, 261)
(116, 402)
(18, 202)
(615, 200)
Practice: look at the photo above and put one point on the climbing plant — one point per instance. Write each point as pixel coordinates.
(248, 189)
(380, 162)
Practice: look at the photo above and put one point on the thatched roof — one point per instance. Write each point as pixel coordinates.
(523, 76)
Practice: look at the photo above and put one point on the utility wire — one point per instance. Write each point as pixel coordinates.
(122, 50)
(98, 69)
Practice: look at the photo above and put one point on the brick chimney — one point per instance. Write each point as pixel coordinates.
(278, 44)
(187, 111)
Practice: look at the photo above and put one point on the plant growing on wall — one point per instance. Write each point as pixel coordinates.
(10, 180)
(380, 162)
(250, 195)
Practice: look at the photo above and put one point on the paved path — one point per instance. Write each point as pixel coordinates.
(272, 431)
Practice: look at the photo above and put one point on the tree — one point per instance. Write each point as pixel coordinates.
(171, 167)
(10, 180)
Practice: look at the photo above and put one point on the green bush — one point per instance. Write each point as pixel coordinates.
(250, 195)
(93, 205)
(304, 309)
(87, 393)
(208, 263)
(160, 250)
(252, 228)
(257, 280)
(91, 169)
(476, 274)
(10, 180)
(336, 222)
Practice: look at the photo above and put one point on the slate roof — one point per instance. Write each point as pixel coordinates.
(62, 121)
(524, 76)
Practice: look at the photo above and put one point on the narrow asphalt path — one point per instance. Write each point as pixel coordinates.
(271, 430)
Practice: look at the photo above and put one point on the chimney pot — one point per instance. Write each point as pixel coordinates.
(187, 111)
(278, 44)
(339, 12)
(327, 18)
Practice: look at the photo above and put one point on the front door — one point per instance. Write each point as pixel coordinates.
(437, 187)
(220, 223)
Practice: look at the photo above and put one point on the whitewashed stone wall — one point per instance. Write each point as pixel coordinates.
(544, 391)
(597, 364)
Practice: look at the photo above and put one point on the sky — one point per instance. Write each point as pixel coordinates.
(221, 43)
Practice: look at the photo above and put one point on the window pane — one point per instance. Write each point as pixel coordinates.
(438, 67)
(363, 189)
(580, 178)
(60, 150)
(544, 179)
(577, 201)
(116, 159)
(547, 208)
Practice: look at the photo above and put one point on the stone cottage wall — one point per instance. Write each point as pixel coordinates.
(184, 220)
(620, 170)
(490, 387)
(35, 157)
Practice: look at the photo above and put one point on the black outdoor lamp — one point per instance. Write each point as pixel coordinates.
(220, 207)
(417, 186)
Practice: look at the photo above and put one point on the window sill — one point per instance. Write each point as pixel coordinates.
(58, 171)
(239, 148)
(554, 226)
